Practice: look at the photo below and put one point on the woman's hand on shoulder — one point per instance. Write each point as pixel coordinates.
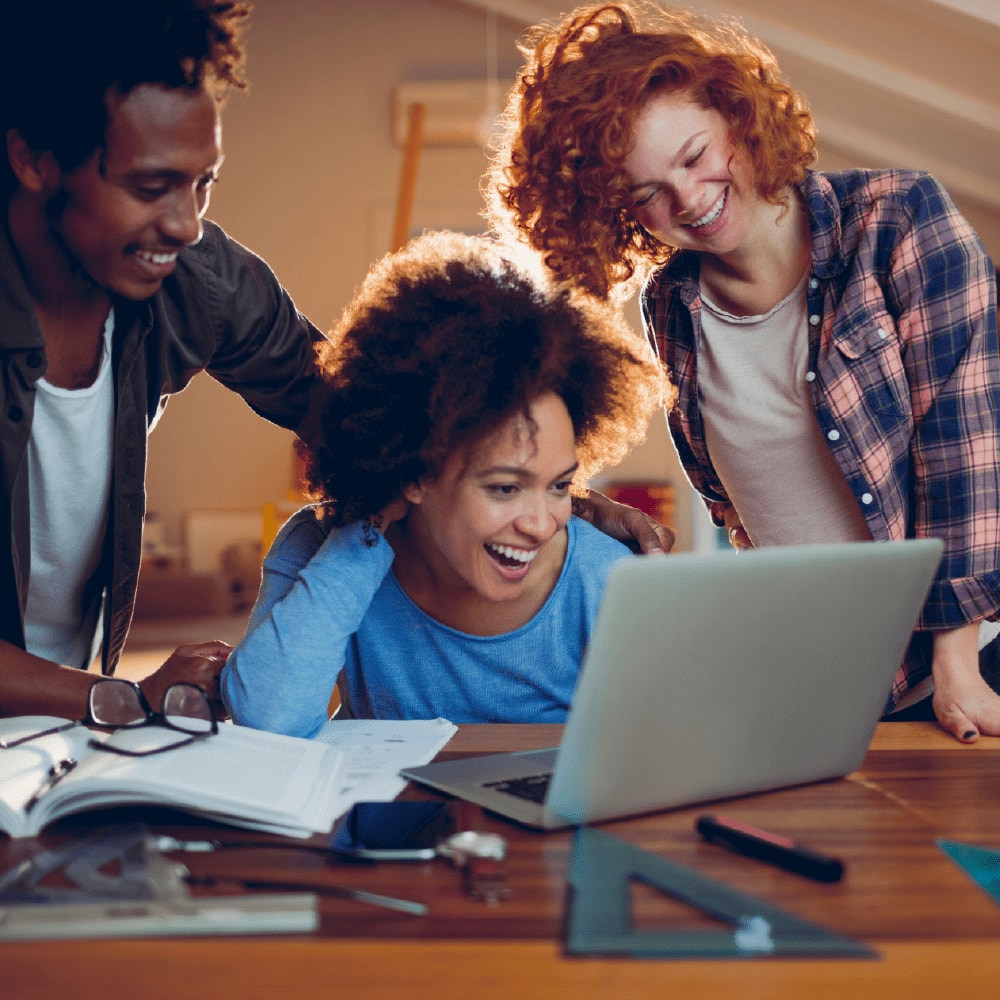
(395, 510)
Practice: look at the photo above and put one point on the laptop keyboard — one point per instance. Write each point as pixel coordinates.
(533, 787)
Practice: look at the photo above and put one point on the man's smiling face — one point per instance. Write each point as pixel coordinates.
(125, 213)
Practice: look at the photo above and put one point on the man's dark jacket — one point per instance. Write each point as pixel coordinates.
(222, 311)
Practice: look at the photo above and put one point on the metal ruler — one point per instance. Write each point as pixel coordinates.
(121, 887)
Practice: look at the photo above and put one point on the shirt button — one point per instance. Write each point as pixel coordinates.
(866, 498)
(814, 283)
(15, 413)
(882, 335)
(810, 376)
(814, 320)
(833, 435)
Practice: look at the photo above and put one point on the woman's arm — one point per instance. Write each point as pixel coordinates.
(944, 285)
(965, 705)
(316, 590)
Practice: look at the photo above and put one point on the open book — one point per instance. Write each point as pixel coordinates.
(243, 777)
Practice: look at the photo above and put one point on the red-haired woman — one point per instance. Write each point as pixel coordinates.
(832, 336)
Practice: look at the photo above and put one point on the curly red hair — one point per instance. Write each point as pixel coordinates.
(557, 179)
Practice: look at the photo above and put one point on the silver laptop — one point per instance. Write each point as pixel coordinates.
(715, 675)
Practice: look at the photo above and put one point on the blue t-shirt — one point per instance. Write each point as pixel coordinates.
(330, 601)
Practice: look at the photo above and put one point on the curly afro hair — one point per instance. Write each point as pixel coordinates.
(446, 340)
(557, 180)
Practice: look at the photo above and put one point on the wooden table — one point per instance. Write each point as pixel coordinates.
(937, 934)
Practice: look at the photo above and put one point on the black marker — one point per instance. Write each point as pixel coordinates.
(769, 847)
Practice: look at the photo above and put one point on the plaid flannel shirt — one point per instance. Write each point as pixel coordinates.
(904, 376)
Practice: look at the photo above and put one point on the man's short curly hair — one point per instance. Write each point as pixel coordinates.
(59, 59)
(557, 179)
(446, 340)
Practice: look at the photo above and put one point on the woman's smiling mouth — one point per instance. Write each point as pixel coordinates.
(511, 562)
(712, 214)
(509, 556)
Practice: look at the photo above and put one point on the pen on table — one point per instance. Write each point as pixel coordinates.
(56, 773)
(770, 847)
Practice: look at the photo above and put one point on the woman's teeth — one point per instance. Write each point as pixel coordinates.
(517, 555)
(711, 215)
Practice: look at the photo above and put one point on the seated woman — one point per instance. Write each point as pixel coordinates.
(442, 571)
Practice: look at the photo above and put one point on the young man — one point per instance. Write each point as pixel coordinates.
(114, 293)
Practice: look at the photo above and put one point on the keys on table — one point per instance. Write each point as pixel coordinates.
(481, 858)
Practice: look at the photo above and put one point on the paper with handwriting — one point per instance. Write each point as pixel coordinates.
(377, 749)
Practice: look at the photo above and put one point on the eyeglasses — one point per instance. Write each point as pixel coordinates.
(120, 704)
(115, 703)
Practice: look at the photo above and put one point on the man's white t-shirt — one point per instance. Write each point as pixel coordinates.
(69, 476)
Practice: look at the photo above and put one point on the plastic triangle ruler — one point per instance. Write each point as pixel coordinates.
(599, 920)
(981, 863)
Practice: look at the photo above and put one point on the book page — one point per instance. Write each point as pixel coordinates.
(24, 769)
(241, 776)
